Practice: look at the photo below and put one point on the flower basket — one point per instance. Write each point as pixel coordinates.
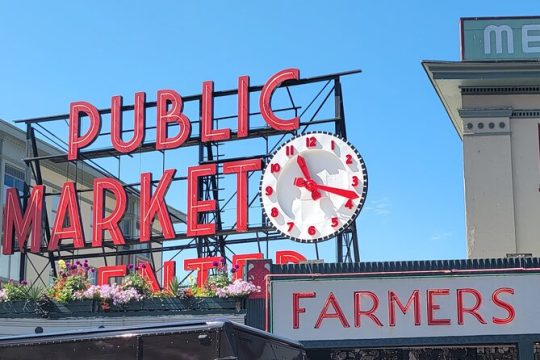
(21, 308)
(76, 307)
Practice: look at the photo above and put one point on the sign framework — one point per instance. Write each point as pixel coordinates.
(210, 155)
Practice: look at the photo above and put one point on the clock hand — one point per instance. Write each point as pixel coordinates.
(303, 167)
(315, 195)
(349, 194)
(310, 186)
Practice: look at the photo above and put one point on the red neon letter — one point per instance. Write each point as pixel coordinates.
(104, 273)
(169, 273)
(117, 124)
(196, 206)
(358, 312)
(67, 205)
(20, 226)
(207, 116)
(461, 309)
(76, 141)
(243, 106)
(152, 204)
(266, 98)
(241, 169)
(164, 142)
(110, 223)
(297, 310)
(504, 305)
(414, 300)
(148, 273)
(201, 265)
(331, 300)
(431, 306)
(240, 260)
(288, 257)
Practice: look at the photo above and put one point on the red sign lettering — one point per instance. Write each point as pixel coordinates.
(155, 204)
(196, 206)
(503, 305)
(338, 314)
(138, 124)
(164, 117)
(15, 224)
(432, 307)
(67, 206)
(461, 309)
(241, 169)
(414, 300)
(76, 140)
(297, 310)
(108, 223)
(266, 97)
(358, 312)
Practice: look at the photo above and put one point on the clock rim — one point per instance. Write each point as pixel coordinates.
(363, 194)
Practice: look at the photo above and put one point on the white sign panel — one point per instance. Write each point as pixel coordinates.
(406, 306)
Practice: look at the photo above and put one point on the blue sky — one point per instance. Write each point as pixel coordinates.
(53, 53)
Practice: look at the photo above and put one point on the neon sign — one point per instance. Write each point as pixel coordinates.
(25, 225)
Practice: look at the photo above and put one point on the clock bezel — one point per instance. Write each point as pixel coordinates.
(362, 193)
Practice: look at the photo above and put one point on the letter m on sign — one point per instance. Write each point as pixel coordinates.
(498, 31)
(19, 225)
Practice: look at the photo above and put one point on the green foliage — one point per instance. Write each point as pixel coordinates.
(218, 278)
(71, 278)
(68, 286)
(175, 287)
(163, 294)
(15, 291)
(35, 292)
(136, 281)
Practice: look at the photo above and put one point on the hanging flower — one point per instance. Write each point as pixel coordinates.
(239, 288)
(62, 264)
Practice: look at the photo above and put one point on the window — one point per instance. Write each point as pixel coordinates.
(9, 264)
(13, 178)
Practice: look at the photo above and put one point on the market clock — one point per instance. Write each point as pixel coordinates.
(313, 187)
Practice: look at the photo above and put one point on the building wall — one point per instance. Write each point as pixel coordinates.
(502, 174)
(37, 269)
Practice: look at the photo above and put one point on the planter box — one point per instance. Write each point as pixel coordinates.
(164, 304)
(215, 303)
(132, 306)
(23, 308)
(76, 308)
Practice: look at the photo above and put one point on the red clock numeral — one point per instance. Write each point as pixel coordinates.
(275, 168)
(289, 150)
(274, 212)
(355, 181)
(311, 141)
(349, 204)
(312, 230)
(268, 191)
(349, 159)
(335, 222)
(332, 145)
(291, 226)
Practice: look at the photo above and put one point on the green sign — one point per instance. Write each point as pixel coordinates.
(501, 38)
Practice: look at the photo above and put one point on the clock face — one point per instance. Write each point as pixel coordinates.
(313, 187)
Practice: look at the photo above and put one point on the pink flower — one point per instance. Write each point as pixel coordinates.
(239, 288)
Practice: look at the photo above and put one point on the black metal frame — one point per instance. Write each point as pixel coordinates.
(346, 242)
